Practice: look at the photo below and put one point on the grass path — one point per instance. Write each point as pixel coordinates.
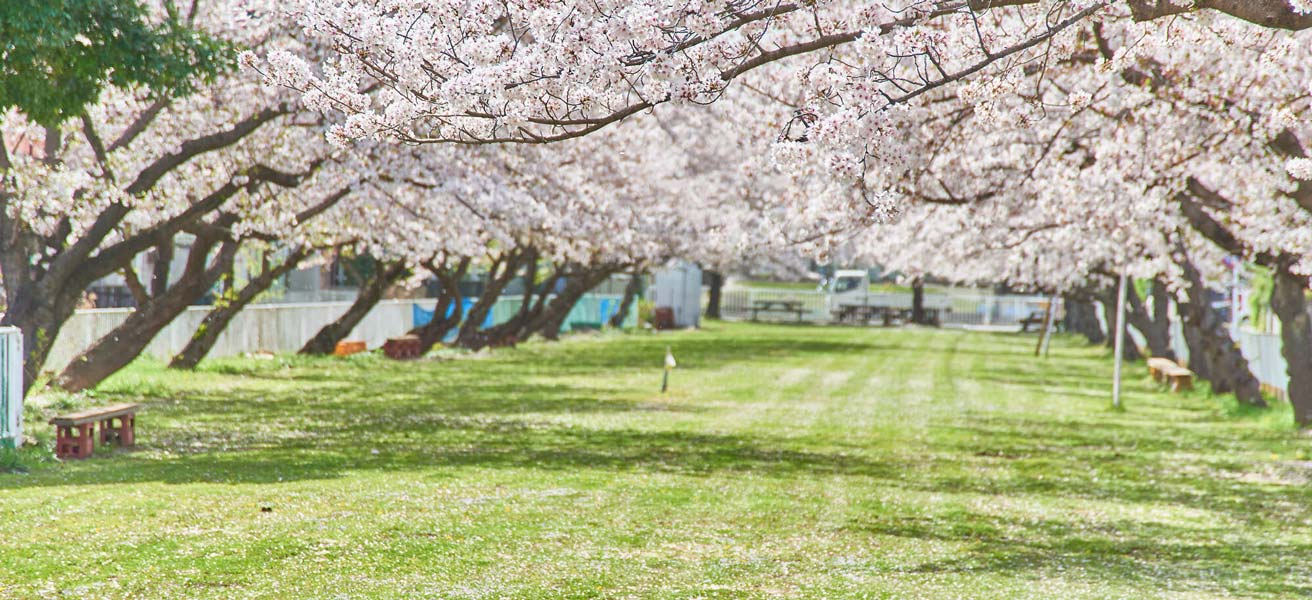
(785, 462)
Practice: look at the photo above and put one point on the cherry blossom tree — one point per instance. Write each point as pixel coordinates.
(132, 173)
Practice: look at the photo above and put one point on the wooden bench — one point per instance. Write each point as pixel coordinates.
(1035, 318)
(349, 347)
(1157, 367)
(74, 433)
(402, 348)
(1165, 370)
(1179, 377)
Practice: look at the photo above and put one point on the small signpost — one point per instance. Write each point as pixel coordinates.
(669, 366)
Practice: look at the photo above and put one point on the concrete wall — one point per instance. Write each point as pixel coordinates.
(275, 328)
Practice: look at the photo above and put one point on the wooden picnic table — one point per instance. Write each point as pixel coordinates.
(779, 306)
(868, 312)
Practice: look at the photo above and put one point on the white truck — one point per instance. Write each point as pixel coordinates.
(850, 299)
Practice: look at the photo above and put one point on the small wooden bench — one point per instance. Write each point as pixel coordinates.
(1179, 377)
(1035, 318)
(349, 347)
(1165, 370)
(402, 348)
(1157, 367)
(74, 433)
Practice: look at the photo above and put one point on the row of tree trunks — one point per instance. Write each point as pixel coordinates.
(448, 301)
(1289, 302)
(371, 292)
(1287, 299)
(634, 287)
(226, 308)
(1226, 365)
(505, 268)
(124, 343)
(579, 282)
(534, 302)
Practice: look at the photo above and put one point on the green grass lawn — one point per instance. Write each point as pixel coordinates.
(785, 462)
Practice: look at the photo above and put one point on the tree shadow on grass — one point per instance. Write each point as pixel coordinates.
(430, 444)
(1123, 462)
(1168, 557)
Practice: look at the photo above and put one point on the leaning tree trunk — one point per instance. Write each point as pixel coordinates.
(1229, 369)
(1082, 318)
(371, 292)
(124, 343)
(520, 326)
(432, 332)
(39, 316)
(631, 291)
(1155, 326)
(39, 298)
(550, 322)
(471, 335)
(1289, 302)
(222, 314)
(713, 298)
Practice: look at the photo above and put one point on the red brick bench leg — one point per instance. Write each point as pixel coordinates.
(68, 445)
(127, 433)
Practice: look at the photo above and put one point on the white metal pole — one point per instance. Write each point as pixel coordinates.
(1047, 327)
(1120, 344)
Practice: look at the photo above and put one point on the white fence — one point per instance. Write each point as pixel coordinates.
(11, 387)
(1263, 353)
(1261, 349)
(260, 327)
(961, 308)
(282, 328)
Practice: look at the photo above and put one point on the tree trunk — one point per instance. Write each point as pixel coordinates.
(1155, 326)
(631, 291)
(1130, 352)
(449, 300)
(1290, 305)
(1228, 367)
(219, 317)
(40, 321)
(471, 334)
(1082, 318)
(918, 301)
(713, 299)
(1193, 339)
(39, 297)
(552, 319)
(325, 341)
(524, 322)
(124, 343)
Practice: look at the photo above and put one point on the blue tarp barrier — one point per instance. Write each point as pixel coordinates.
(591, 309)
